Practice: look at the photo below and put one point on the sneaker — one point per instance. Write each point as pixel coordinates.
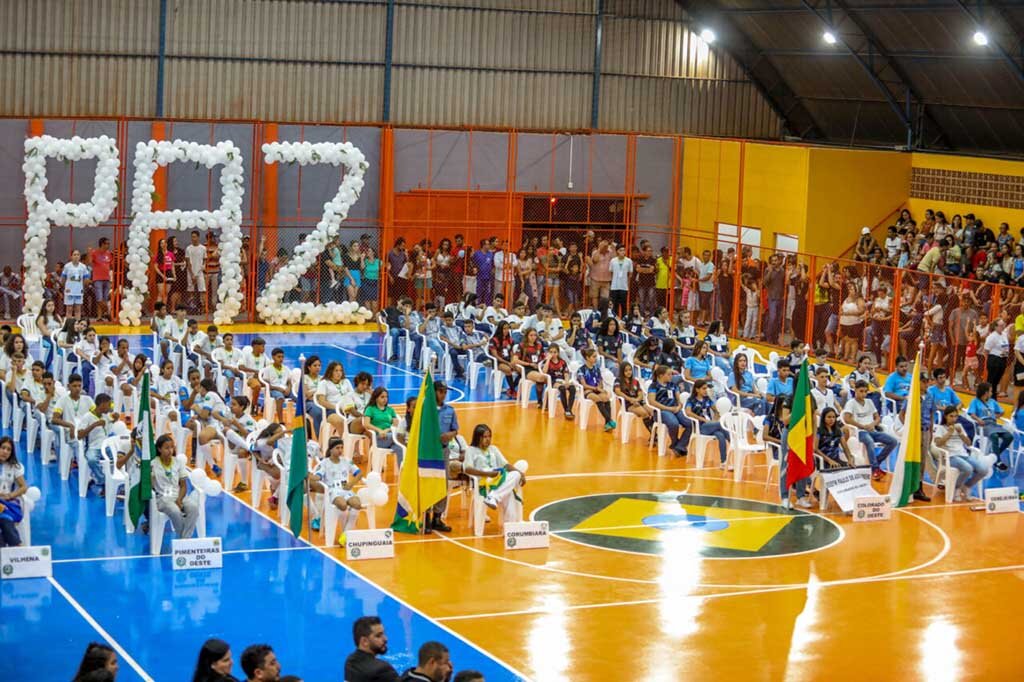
(272, 501)
(608, 426)
(804, 503)
(490, 502)
(570, 416)
(511, 394)
(342, 539)
(1002, 466)
(315, 524)
(877, 474)
(241, 487)
(216, 470)
(440, 525)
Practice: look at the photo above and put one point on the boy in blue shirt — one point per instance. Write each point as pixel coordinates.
(781, 385)
(897, 385)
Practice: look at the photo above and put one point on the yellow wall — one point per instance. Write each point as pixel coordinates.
(992, 215)
(848, 189)
(821, 196)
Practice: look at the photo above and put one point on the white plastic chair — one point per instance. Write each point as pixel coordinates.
(27, 324)
(947, 472)
(698, 446)
(739, 425)
(115, 478)
(584, 407)
(379, 455)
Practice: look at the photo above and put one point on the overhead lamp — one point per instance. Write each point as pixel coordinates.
(980, 38)
(829, 37)
(707, 35)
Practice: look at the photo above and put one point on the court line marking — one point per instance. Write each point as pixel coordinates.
(114, 644)
(741, 593)
(461, 396)
(130, 557)
(383, 590)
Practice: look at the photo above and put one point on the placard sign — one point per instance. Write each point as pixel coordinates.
(526, 535)
(370, 544)
(26, 562)
(196, 553)
(1002, 500)
(847, 484)
(872, 508)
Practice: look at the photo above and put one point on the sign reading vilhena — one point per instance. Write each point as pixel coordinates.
(526, 535)
(26, 562)
(197, 553)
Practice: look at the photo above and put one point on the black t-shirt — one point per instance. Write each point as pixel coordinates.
(363, 667)
(645, 279)
(393, 316)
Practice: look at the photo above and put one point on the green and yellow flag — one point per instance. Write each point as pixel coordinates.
(906, 477)
(423, 481)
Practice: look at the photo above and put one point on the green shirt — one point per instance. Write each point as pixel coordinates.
(381, 419)
(371, 269)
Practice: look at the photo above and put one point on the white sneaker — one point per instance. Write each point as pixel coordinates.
(804, 503)
(490, 502)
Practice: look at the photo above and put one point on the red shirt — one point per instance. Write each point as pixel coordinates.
(100, 261)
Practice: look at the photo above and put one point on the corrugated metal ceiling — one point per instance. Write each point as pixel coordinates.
(965, 97)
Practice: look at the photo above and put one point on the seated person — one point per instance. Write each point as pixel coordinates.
(354, 404)
(206, 405)
(781, 385)
(701, 408)
(865, 371)
(237, 424)
(797, 355)
(590, 381)
(609, 344)
(70, 408)
(501, 348)
(577, 337)
(634, 325)
(471, 344)
(741, 381)
(663, 395)
(12, 488)
(985, 412)
(379, 417)
(169, 489)
(253, 362)
(830, 440)
(278, 379)
(500, 482)
(263, 451)
(822, 393)
(860, 413)
(526, 358)
(330, 392)
(718, 343)
(557, 370)
(897, 385)
(430, 330)
(698, 365)
(628, 389)
(951, 437)
(660, 326)
(94, 427)
(683, 332)
(334, 478)
(230, 360)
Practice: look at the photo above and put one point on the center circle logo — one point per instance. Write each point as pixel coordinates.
(717, 527)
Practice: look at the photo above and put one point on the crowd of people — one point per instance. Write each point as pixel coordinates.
(259, 662)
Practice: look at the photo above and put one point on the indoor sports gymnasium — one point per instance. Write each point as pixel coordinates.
(461, 340)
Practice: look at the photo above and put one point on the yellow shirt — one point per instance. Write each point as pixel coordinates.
(664, 267)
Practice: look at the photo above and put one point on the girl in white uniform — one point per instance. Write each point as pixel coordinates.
(164, 393)
(330, 392)
(501, 483)
(263, 449)
(335, 477)
(237, 424)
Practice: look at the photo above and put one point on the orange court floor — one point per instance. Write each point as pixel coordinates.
(658, 571)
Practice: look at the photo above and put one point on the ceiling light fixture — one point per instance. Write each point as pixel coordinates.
(707, 35)
(980, 38)
(829, 37)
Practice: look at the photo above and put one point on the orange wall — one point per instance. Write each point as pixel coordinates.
(992, 215)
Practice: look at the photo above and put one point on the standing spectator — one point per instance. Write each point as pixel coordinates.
(12, 487)
(75, 274)
(10, 288)
(572, 277)
(646, 274)
(775, 284)
(600, 272)
(433, 664)
(997, 348)
(177, 280)
(399, 274)
(621, 268)
(705, 288)
(100, 260)
(212, 270)
(195, 269)
(483, 260)
(259, 663)
(800, 283)
(369, 290)
(554, 263)
(662, 277)
(362, 665)
(97, 657)
(444, 278)
(215, 662)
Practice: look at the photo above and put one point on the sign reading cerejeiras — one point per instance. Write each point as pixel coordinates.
(196, 553)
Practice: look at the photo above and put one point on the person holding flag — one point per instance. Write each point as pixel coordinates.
(298, 468)
(906, 476)
(422, 481)
(140, 475)
(796, 460)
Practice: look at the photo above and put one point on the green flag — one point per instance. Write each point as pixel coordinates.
(298, 468)
(141, 492)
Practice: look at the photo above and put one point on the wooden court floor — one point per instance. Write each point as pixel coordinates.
(661, 571)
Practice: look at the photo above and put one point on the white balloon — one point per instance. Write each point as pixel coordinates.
(198, 478)
(522, 465)
(373, 480)
(33, 494)
(380, 496)
(365, 496)
(212, 488)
